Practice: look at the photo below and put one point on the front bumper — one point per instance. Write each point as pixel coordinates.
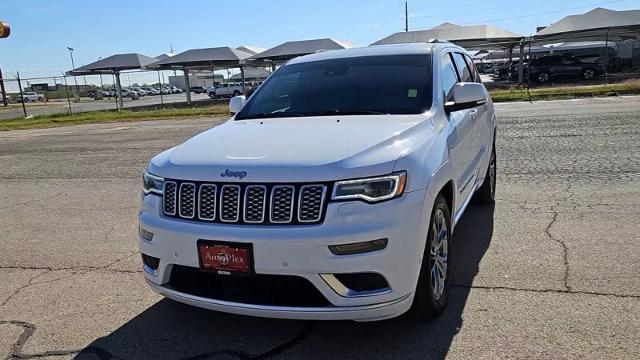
(302, 250)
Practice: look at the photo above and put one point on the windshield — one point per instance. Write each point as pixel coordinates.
(393, 84)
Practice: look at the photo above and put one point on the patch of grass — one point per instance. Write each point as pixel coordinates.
(566, 92)
(109, 116)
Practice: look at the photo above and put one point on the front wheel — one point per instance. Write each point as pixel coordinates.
(543, 77)
(432, 290)
(486, 194)
(588, 74)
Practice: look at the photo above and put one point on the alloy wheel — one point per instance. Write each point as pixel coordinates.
(439, 251)
(588, 74)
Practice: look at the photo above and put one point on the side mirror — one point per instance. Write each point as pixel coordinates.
(466, 95)
(236, 103)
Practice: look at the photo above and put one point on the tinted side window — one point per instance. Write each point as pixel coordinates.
(463, 69)
(449, 76)
(474, 71)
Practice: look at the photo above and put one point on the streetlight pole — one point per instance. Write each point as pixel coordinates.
(73, 66)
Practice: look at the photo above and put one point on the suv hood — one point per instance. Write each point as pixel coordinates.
(292, 149)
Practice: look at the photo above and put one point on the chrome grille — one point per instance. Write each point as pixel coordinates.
(230, 203)
(207, 202)
(187, 203)
(255, 198)
(275, 204)
(282, 203)
(169, 200)
(310, 203)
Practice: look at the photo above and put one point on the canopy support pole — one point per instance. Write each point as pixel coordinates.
(521, 63)
(160, 87)
(187, 85)
(119, 91)
(244, 91)
(606, 53)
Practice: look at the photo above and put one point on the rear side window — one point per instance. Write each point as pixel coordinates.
(463, 69)
(474, 71)
(449, 76)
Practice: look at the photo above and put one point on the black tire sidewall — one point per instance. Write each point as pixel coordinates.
(424, 303)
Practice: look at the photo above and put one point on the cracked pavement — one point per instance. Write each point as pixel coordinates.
(550, 272)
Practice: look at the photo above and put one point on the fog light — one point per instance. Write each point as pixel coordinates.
(359, 247)
(147, 235)
(150, 264)
(360, 282)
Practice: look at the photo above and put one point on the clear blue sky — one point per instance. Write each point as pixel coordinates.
(42, 29)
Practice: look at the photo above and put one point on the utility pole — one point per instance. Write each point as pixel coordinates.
(73, 66)
(406, 16)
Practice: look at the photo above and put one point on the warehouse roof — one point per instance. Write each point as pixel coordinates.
(471, 36)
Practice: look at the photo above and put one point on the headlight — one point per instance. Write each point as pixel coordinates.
(371, 189)
(152, 184)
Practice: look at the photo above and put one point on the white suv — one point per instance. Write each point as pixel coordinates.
(332, 193)
(225, 90)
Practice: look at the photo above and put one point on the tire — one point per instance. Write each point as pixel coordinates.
(432, 290)
(487, 192)
(236, 93)
(588, 74)
(543, 77)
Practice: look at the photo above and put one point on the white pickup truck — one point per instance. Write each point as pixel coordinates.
(225, 90)
(31, 96)
(332, 193)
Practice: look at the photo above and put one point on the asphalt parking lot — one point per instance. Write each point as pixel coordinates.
(550, 272)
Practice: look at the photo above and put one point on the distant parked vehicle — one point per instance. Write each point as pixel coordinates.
(165, 91)
(225, 90)
(139, 90)
(198, 89)
(151, 91)
(176, 90)
(30, 97)
(546, 68)
(134, 95)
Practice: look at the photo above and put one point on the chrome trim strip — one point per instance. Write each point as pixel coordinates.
(344, 291)
(264, 203)
(179, 204)
(293, 200)
(215, 199)
(175, 198)
(328, 309)
(324, 191)
(222, 204)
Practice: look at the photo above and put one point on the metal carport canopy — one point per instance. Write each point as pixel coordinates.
(469, 37)
(114, 64)
(207, 58)
(292, 49)
(597, 24)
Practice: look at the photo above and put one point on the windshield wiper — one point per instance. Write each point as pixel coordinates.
(352, 112)
(270, 115)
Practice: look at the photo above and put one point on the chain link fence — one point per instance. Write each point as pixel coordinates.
(60, 95)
